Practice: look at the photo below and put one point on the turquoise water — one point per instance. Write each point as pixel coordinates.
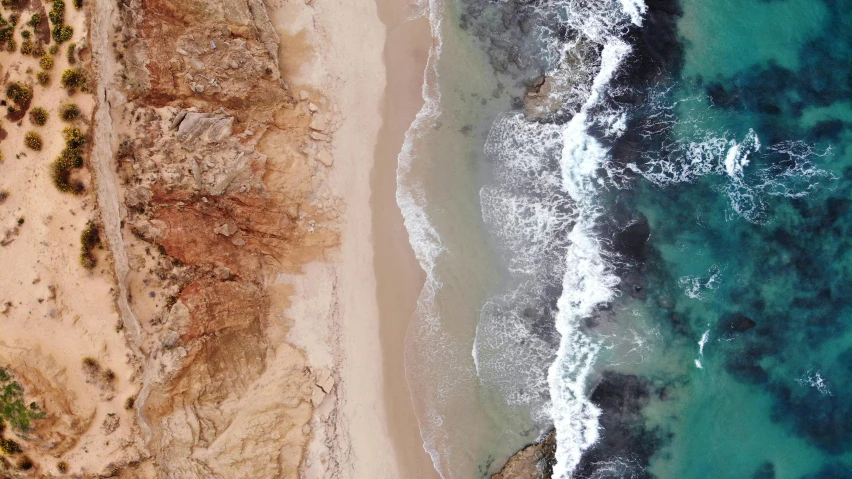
(763, 236)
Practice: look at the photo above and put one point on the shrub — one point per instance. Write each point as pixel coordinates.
(54, 49)
(38, 50)
(27, 47)
(13, 19)
(73, 77)
(60, 173)
(25, 33)
(69, 112)
(18, 92)
(129, 402)
(91, 364)
(46, 62)
(89, 238)
(62, 467)
(11, 45)
(72, 50)
(62, 33)
(109, 375)
(24, 463)
(9, 446)
(43, 77)
(57, 13)
(34, 20)
(38, 116)
(78, 4)
(73, 137)
(3, 195)
(33, 141)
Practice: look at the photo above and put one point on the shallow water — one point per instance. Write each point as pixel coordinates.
(661, 273)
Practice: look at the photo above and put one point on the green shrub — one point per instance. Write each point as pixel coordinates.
(38, 116)
(12, 406)
(62, 33)
(18, 92)
(46, 62)
(34, 20)
(60, 173)
(9, 446)
(13, 19)
(73, 137)
(33, 141)
(43, 77)
(54, 49)
(25, 33)
(89, 238)
(73, 77)
(78, 4)
(69, 112)
(27, 47)
(57, 13)
(72, 51)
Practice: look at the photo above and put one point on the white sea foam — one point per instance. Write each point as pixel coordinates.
(696, 287)
(588, 281)
(815, 380)
(721, 153)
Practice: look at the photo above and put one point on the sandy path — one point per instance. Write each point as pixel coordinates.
(108, 200)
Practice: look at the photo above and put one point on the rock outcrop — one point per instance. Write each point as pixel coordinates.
(224, 189)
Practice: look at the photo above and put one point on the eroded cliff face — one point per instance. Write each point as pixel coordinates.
(221, 171)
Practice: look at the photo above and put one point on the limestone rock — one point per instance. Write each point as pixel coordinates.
(318, 123)
(324, 157)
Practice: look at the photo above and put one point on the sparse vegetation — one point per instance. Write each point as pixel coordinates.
(54, 49)
(91, 364)
(43, 77)
(32, 140)
(4, 194)
(11, 45)
(38, 116)
(46, 62)
(12, 406)
(89, 238)
(69, 112)
(18, 92)
(109, 375)
(73, 77)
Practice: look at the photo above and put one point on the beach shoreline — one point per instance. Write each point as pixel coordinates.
(399, 277)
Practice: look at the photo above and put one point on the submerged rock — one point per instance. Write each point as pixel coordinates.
(532, 462)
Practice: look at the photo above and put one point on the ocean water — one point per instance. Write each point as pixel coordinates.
(659, 269)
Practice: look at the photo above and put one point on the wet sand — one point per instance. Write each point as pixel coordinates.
(399, 277)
